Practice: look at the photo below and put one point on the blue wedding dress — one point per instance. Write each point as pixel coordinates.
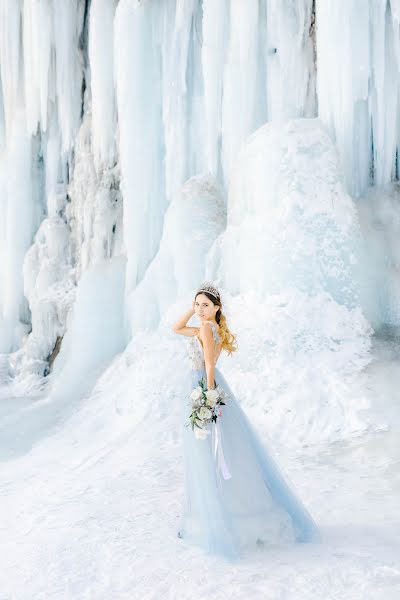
(235, 497)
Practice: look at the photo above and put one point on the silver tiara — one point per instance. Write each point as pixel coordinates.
(207, 286)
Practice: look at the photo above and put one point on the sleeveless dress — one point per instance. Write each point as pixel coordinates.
(235, 497)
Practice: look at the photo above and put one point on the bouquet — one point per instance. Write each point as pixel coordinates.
(205, 408)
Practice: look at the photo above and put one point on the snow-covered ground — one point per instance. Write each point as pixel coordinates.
(89, 501)
(146, 146)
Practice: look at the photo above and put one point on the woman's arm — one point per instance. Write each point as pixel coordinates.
(207, 339)
(180, 325)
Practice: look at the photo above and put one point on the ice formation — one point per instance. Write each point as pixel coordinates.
(130, 130)
(304, 333)
(146, 145)
(358, 86)
(193, 221)
(290, 222)
(380, 219)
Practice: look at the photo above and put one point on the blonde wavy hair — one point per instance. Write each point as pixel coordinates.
(228, 338)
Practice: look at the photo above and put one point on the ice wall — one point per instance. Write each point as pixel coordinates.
(249, 53)
(141, 136)
(101, 59)
(380, 220)
(59, 175)
(105, 101)
(41, 78)
(358, 79)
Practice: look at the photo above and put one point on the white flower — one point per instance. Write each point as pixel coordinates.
(201, 434)
(210, 402)
(204, 413)
(196, 393)
(212, 395)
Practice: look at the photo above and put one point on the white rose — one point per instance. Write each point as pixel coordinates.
(201, 434)
(204, 413)
(210, 402)
(196, 393)
(212, 394)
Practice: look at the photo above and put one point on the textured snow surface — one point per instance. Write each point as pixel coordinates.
(90, 511)
(146, 145)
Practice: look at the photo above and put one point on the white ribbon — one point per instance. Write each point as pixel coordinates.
(218, 453)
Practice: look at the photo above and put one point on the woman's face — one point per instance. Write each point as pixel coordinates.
(205, 309)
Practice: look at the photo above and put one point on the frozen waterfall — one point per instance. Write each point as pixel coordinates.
(182, 139)
(147, 146)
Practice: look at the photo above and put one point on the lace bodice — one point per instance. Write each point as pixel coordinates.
(195, 349)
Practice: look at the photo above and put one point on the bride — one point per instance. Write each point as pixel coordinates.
(235, 495)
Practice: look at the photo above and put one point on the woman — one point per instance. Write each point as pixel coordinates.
(235, 495)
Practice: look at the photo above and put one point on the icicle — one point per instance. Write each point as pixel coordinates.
(38, 40)
(290, 59)
(10, 59)
(215, 31)
(19, 225)
(141, 136)
(101, 56)
(240, 80)
(358, 82)
(67, 24)
(175, 41)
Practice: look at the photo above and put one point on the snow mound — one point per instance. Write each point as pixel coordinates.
(193, 221)
(290, 258)
(290, 222)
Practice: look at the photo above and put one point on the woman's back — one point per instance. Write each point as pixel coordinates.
(195, 349)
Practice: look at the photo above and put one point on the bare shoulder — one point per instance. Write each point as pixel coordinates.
(206, 329)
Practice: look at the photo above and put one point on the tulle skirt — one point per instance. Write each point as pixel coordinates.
(235, 497)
